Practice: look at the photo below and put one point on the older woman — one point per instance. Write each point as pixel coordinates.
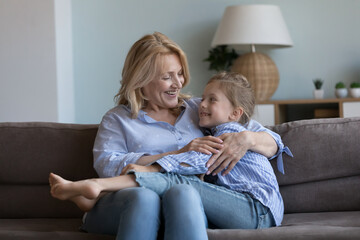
(154, 119)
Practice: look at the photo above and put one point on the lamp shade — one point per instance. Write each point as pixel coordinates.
(252, 24)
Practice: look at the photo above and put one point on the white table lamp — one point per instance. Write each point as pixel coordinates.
(254, 25)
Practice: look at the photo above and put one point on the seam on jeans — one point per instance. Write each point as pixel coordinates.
(192, 178)
(242, 195)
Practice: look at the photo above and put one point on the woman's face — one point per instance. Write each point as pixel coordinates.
(163, 92)
(215, 108)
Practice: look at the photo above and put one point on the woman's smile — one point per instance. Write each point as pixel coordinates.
(163, 91)
(172, 93)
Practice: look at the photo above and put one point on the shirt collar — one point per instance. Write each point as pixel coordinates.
(142, 115)
(220, 127)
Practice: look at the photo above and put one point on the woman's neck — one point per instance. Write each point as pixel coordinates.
(162, 115)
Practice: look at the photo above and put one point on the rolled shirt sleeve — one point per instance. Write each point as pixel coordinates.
(257, 127)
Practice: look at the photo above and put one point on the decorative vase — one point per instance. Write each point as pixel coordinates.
(261, 71)
(318, 93)
(341, 92)
(355, 92)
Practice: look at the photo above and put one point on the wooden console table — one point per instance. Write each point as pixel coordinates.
(279, 111)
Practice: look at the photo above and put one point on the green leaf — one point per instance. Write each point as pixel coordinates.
(221, 58)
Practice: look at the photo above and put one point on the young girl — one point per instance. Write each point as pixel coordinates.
(226, 106)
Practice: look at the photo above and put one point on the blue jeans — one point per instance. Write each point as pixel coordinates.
(135, 213)
(224, 208)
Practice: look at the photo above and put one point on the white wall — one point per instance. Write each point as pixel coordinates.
(36, 76)
(325, 33)
(27, 61)
(64, 62)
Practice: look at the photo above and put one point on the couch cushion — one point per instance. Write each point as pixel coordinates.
(323, 149)
(324, 173)
(326, 226)
(333, 225)
(38, 229)
(29, 151)
(340, 194)
(34, 201)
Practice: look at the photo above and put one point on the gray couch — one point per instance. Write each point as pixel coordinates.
(321, 187)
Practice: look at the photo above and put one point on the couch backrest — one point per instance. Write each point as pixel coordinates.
(324, 174)
(28, 153)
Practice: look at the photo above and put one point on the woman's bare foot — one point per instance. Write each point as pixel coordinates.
(67, 190)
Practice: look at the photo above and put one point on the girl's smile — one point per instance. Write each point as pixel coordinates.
(215, 108)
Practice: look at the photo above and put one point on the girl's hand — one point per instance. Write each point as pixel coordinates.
(208, 145)
(139, 168)
(235, 147)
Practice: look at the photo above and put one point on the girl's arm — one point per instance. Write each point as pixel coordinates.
(207, 145)
(187, 163)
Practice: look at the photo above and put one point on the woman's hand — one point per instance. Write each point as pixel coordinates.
(235, 147)
(208, 145)
(139, 168)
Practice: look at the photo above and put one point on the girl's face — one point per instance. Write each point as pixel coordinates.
(163, 92)
(215, 108)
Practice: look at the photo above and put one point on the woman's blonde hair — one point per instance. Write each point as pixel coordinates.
(239, 92)
(143, 64)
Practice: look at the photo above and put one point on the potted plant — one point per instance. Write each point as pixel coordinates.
(355, 89)
(341, 90)
(221, 58)
(318, 92)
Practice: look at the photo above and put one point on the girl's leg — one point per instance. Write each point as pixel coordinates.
(227, 209)
(183, 214)
(132, 213)
(85, 193)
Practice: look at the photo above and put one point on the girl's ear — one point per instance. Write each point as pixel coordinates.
(236, 114)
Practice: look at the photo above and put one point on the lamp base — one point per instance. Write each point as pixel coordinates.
(261, 72)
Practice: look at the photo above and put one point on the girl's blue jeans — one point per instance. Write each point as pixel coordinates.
(135, 213)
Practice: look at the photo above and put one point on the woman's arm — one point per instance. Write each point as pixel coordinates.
(188, 160)
(121, 141)
(111, 149)
(259, 139)
(260, 142)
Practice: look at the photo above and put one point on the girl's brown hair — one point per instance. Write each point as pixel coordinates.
(239, 92)
(142, 65)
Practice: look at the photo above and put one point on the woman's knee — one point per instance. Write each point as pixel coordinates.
(182, 193)
(139, 197)
(183, 213)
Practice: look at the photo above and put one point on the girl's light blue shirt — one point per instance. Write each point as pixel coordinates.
(252, 174)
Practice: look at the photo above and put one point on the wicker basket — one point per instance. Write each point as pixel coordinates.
(261, 72)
